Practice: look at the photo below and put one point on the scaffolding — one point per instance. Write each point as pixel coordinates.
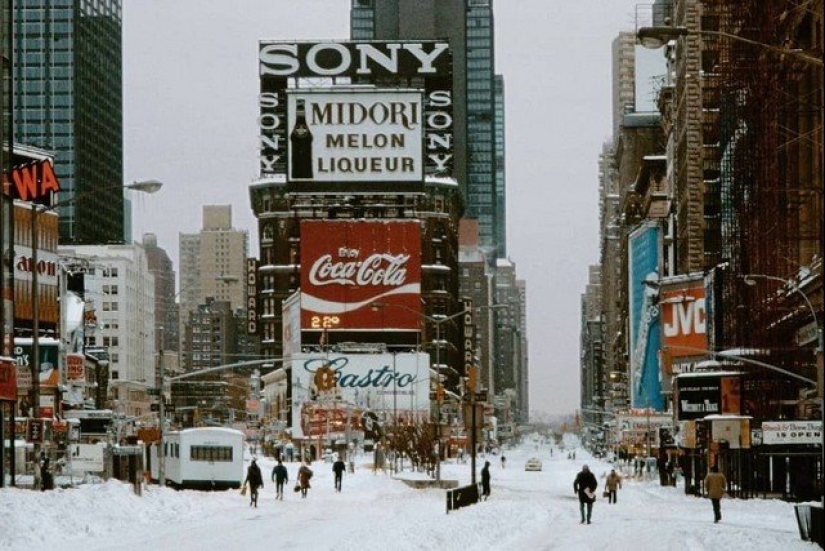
(770, 178)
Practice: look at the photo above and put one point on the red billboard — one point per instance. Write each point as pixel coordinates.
(684, 323)
(360, 275)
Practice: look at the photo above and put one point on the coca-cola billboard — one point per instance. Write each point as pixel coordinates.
(359, 275)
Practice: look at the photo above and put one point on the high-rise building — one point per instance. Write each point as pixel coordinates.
(160, 266)
(68, 99)
(212, 265)
(468, 24)
(120, 292)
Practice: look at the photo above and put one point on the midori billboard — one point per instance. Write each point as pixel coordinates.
(348, 267)
(354, 135)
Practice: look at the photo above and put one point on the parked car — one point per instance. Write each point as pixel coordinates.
(532, 464)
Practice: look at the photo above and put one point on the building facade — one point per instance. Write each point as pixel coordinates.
(212, 265)
(68, 99)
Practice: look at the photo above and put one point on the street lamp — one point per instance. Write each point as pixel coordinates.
(144, 186)
(750, 279)
(655, 37)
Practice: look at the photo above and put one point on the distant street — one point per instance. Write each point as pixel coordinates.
(527, 510)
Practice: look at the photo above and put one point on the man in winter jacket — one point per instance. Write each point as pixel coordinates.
(304, 474)
(585, 486)
(255, 481)
(485, 481)
(613, 483)
(715, 485)
(338, 468)
(279, 476)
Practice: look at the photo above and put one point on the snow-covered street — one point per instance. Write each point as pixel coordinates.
(527, 510)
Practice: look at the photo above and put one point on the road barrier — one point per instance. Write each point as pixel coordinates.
(462, 497)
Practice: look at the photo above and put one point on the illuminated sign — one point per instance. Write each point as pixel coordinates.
(385, 384)
(252, 296)
(395, 158)
(32, 181)
(348, 267)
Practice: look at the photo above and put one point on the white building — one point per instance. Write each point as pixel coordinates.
(119, 288)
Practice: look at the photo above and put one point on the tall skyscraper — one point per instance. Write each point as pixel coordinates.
(160, 266)
(468, 24)
(68, 99)
(212, 265)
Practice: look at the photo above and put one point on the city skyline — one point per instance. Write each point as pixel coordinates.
(208, 150)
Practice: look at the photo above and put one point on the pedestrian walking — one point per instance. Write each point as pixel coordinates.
(485, 481)
(503, 460)
(304, 475)
(585, 486)
(46, 478)
(613, 483)
(279, 477)
(715, 484)
(338, 468)
(254, 480)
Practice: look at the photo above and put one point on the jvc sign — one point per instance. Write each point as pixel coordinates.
(684, 318)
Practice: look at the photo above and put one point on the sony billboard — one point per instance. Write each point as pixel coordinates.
(360, 63)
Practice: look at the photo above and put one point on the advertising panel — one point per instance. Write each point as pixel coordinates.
(33, 181)
(684, 322)
(643, 265)
(75, 367)
(291, 326)
(86, 458)
(777, 433)
(698, 395)
(252, 296)
(348, 267)
(332, 392)
(735, 431)
(8, 379)
(346, 135)
(429, 61)
(49, 374)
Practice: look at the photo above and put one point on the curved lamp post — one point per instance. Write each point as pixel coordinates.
(655, 37)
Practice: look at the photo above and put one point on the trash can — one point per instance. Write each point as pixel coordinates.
(810, 519)
(817, 529)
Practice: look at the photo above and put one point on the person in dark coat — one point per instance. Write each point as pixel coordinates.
(279, 476)
(585, 486)
(304, 474)
(485, 481)
(255, 481)
(46, 478)
(338, 468)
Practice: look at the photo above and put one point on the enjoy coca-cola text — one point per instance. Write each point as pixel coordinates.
(378, 269)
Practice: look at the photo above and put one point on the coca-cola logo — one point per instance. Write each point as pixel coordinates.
(377, 270)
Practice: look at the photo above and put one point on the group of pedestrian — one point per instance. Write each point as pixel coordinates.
(280, 476)
(585, 486)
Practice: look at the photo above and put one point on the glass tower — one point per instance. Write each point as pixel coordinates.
(468, 24)
(68, 100)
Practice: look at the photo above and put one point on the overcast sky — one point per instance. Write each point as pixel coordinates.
(190, 107)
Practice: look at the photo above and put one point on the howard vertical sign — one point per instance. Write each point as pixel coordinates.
(362, 62)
